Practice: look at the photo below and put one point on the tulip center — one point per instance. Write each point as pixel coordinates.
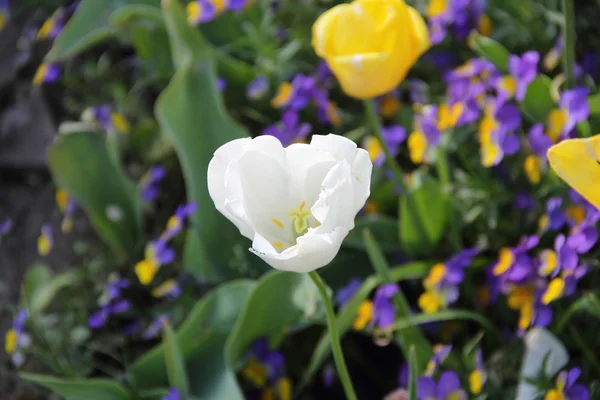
(299, 218)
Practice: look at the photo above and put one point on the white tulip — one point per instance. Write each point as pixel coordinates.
(296, 204)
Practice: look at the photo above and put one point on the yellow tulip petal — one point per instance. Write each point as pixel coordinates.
(419, 33)
(322, 31)
(576, 162)
(361, 74)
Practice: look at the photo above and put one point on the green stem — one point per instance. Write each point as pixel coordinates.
(336, 346)
(569, 38)
(443, 170)
(373, 120)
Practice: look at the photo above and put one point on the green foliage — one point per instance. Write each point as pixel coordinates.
(201, 339)
(538, 100)
(423, 217)
(89, 25)
(490, 49)
(78, 389)
(81, 164)
(411, 337)
(383, 228)
(176, 371)
(40, 287)
(191, 113)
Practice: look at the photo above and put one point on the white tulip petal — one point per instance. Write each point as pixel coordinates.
(340, 147)
(312, 251)
(216, 181)
(361, 170)
(266, 193)
(296, 204)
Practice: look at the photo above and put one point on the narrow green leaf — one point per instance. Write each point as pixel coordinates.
(538, 101)
(413, 365)
(43, 296)
(589, 303)
(448, 315)
(412, 336)
(89, 26)
(78, 389)
(191, 113)
(490, 49)
(423, 217)
(81, 164)
(383, 228)
(201, 340)
(347, 314)
(174, 361)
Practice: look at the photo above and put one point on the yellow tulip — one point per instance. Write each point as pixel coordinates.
(576, 162)
(370, 44)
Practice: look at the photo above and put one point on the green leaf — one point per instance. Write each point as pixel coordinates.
(538, 101)
(39, 299)
(191, 113)
(594, 102)
(81, 164)
(201, 339)
(413, 365)
(491, 50)
(174, 361)
(33, 281)
(423, 217)
(89, 26)
(412, 336)
(448, 315)
(269, 311)
(347, 314)
(78, 389)
(589, 303)
(384, 229)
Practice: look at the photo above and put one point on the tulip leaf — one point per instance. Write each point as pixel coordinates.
(411, 336)
(201, 339)
(270, 310)
(383, 228)
(176, 371)
(589, 303)
(81, 164)
(89, 26)
(491, 50)
(40, 287)
(538, 100)
(346, 316)
(423, 217)
(77, 389)
(191, 113)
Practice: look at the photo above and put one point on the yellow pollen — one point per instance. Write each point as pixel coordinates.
(278, 245)
(300, 219)
(277, 222)
(302, 205)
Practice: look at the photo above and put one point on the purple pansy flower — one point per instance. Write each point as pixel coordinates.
(384, 312)
(448, 387)
(289, 129)
(149, 182)
(345, 293)
(257, 88)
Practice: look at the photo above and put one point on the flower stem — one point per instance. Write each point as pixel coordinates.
(569, 38)
(443, 170)
(375, 124)
(334, 336)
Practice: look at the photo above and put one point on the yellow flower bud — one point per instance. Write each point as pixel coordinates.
(370, 44)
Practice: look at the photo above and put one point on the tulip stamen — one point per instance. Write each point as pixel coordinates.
(277, 222)
(300, 217)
